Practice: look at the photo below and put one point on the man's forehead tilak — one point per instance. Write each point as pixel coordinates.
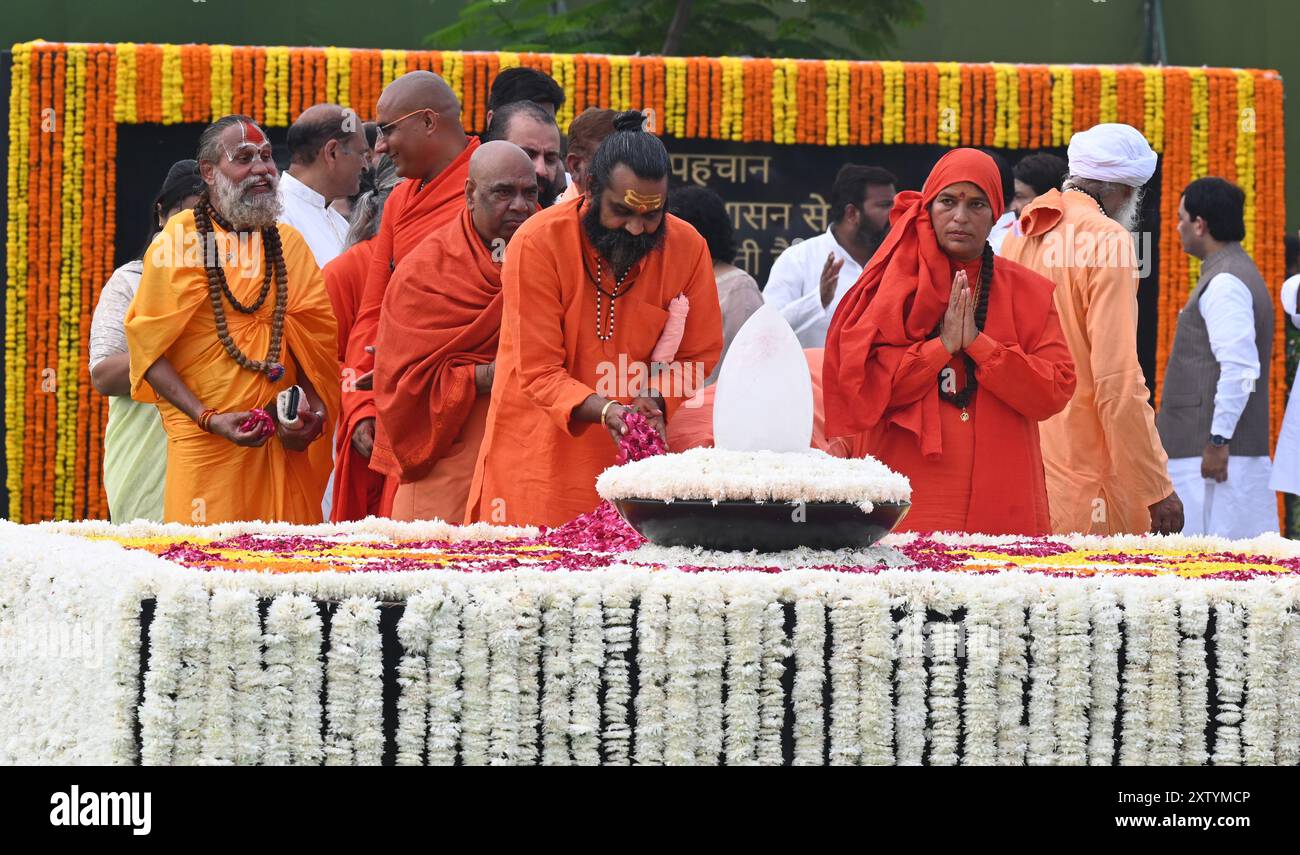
(642, 203)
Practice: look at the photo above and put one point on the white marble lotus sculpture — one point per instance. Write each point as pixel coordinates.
(765, 397)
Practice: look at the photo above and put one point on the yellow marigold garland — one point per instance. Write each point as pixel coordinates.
(16, 272)
(1246, 151)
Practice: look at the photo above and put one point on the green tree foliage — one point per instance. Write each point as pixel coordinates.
(778, 28)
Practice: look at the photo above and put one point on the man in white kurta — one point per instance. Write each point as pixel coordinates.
(1286, 459)
(811, 276)
(1225, 488)
(327, 150)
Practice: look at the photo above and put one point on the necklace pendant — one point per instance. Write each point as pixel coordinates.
(965, 416)
(275, 371)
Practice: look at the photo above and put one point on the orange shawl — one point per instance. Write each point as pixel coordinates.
(441, 318)
(410, 215)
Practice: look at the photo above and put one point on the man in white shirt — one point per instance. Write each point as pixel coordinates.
(327, 151)
(809, 279)
(1214, 413)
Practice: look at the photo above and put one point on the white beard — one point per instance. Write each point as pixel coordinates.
(244, 209)
(1130, 212)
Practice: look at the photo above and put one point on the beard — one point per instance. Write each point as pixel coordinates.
(870, 237)
(548, 190)
(617, 246)
(244, 209)
(1130, 212)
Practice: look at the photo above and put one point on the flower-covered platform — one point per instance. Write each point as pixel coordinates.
(411, 643)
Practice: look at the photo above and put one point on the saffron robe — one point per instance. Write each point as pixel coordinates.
(410, 215)
(884, 358)
(538, 465)
(1104, 460)
(441, 319)
(210, 479)
(345, 279)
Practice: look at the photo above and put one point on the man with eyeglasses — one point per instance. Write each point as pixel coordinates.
(327, 151)
(421, 132)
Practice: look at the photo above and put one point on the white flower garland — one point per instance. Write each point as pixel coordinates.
(846, 637)
(1106, 639)
(1042, 683)
(476, 702)
(306, 631)
(711, 654)
(980, 699)
(875, 676)
(744, 617)
(1263, 658)
(503, 679)
(528, 623)
(616, 731)
(219, 715)
(125, 665)
(414, 634)
(910, 712)
(681, 705)
(244, 624)
(1230, 674)
(776, 649)
(1134, 742)
(162, 681)
(588, 658)
(1073, 688)
(557, 625)
(944, 717)
(809, 679)
(444, 678)
(652, 672)
(278, 680)
(1193, 616)
(192, 683)
(1288, 731)
(1013, 671)
(354, 674)
(1165, 717)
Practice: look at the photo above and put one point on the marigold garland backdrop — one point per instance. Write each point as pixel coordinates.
(67, 100)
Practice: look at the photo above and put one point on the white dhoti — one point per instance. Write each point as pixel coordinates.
(1243, 506)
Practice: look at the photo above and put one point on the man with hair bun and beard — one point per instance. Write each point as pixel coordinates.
(1105, 465)
(216, 334)
(586, 293)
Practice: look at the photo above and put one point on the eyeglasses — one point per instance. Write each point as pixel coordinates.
(385, 130)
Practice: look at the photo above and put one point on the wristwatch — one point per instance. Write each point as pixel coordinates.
(1217, 440)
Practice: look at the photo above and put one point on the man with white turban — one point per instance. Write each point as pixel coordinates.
(1106, 468)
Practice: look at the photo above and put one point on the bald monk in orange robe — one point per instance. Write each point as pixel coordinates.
(438, 335)
(420, 129)
(572, 364)
(941, 359)
(1107, 471)
(692, 426)
(217, 472)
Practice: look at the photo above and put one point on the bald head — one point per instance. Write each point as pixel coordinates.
(417, 90)
(501, 191)
(419, 125)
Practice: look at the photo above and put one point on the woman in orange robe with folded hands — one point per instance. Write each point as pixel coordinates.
(942, 359)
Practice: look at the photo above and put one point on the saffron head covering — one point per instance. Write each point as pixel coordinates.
(899, 298)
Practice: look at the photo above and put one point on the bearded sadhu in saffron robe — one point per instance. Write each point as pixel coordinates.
(538, 464)
(1105, 463)
(884, 359)
(441, 318)
(410, 215)
(209, 478)
(692, 427)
